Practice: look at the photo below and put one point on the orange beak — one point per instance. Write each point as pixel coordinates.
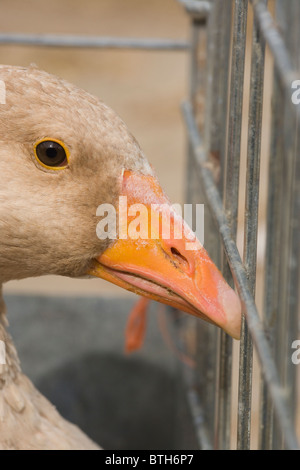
(156, 255)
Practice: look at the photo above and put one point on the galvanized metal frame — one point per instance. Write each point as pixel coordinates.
(278, 371)
(213, 116)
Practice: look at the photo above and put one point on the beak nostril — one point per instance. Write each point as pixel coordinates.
(179, 257)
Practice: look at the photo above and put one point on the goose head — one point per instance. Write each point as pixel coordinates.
(63, 155)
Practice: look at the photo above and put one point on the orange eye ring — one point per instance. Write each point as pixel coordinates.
(51, 153)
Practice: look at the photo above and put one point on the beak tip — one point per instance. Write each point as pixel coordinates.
(233, 309)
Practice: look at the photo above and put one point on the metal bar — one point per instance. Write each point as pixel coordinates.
(240, 277)
(218, 52)
(276, 291)
(204, 381)
(223, 73)
(218, 58)
(196, 408)
(273, 38)
(250, 231)
(272, 256)
(198, 9)
(235, 114)
(288, 274)
(56, 40)
(194, 400)
(293, 186)
(230, 197)
(275, 42)
(294, 240)
(284, 208)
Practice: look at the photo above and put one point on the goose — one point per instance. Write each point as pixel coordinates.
(64, 154)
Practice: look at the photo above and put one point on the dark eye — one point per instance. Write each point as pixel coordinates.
(52, 154)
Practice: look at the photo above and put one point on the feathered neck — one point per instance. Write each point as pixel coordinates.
(10, 370)
(28, 421)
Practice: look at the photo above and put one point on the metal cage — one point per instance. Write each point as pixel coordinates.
(242, 121)
(247, 49)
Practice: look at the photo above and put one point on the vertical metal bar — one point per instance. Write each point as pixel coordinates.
(235, 112)
(240, 277)
(294, 280)
(293, 300)
(283, 320)
(197, 84)
(218, 56)
(218, 51)
(205, 333)
(250, 230)
(231, 190)
(288, 235)
(282, 269)
(294, 256)
(287, 318)
(223, 73)
(272, 259)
